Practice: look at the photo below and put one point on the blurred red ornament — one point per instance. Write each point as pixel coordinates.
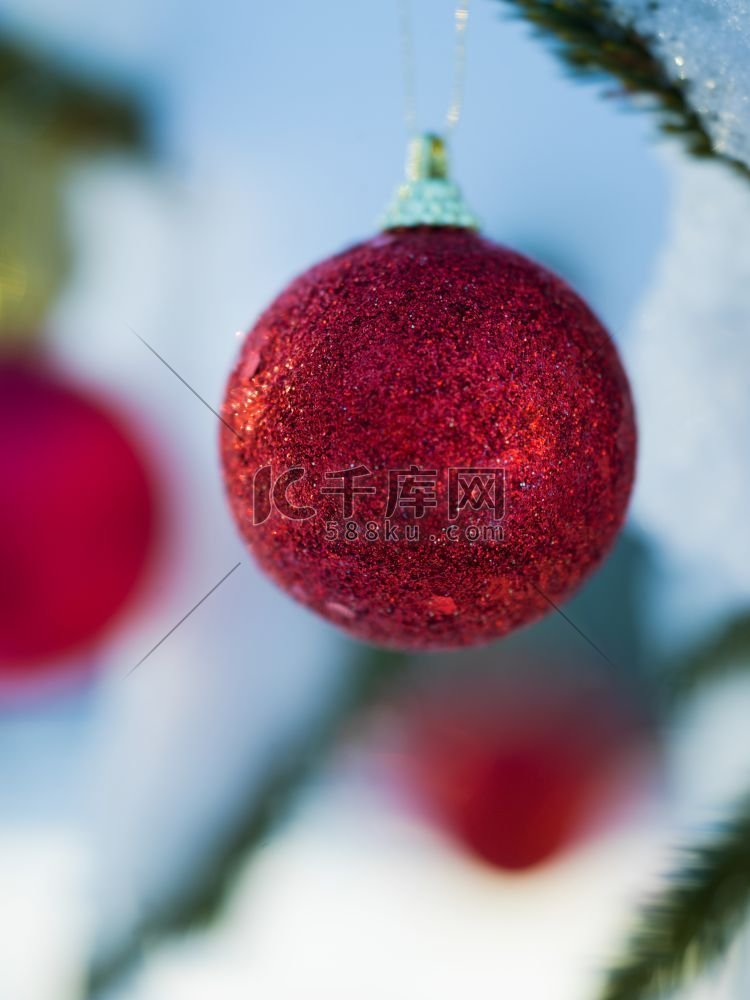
(409, 360)
(518, 771)
(77, 518)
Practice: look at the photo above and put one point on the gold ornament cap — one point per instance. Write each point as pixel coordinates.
(428, 197)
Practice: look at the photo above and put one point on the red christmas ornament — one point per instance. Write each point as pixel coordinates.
(430, 437)
(517, 770)
(77, 518)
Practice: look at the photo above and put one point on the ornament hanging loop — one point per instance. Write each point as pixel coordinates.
(427, 158)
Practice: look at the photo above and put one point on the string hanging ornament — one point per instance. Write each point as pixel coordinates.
(429, 439)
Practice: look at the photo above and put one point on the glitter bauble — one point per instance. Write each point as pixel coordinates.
(77, 518)
(430, 440)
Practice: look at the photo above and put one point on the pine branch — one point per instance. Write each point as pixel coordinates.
(590, 39)
(72, 110)
(726, 653)
(691, 925)
(204, 900)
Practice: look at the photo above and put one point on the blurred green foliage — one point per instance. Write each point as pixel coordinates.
(690, 925)
(49, 115)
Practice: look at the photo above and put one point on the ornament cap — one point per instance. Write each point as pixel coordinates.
(428, 197)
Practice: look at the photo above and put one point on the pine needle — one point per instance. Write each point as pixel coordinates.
(589, 38)
(688, 928)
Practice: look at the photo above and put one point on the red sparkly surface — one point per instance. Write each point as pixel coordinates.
(77, 518)
(437, 349)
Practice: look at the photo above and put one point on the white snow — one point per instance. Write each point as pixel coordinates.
(689, 358)
(705, 44)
